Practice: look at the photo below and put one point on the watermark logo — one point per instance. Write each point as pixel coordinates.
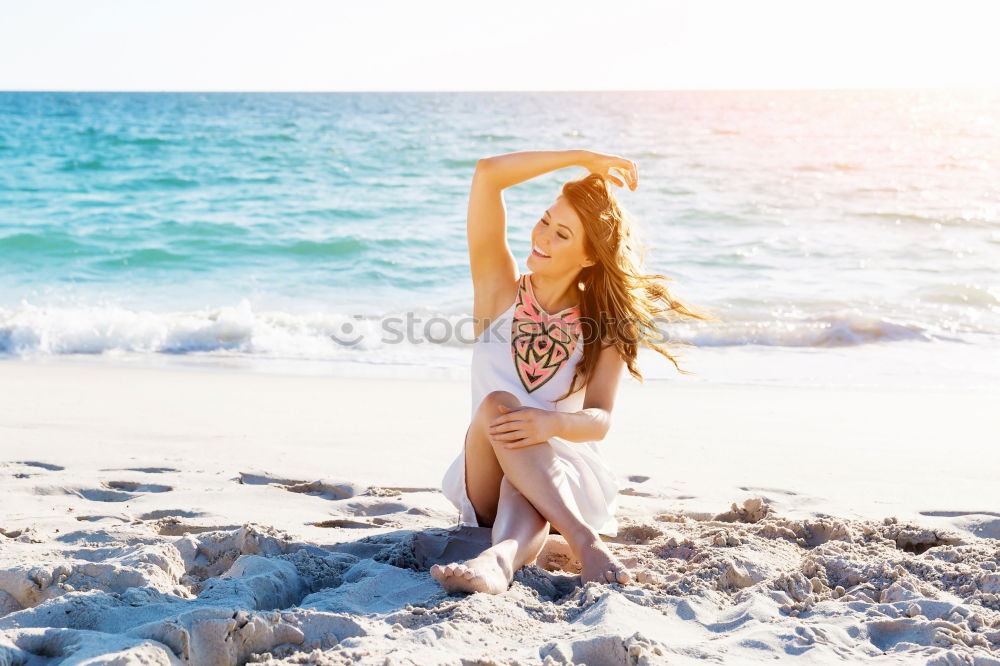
(410, 328)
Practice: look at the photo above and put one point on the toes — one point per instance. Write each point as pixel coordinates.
(618, 575)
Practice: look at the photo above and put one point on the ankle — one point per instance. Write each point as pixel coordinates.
(584, 539)
(505, 552)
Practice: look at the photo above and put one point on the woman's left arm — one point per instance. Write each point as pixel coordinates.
(527, 426)
(594, 420)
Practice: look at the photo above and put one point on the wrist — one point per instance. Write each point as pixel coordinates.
(557, 423)
(583, 157)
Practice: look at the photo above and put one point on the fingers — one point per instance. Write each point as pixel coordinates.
(507, 433)
(631, 174)
(511, 436)
(506, 426)
(630, 171)
(519, 444)
(506, 418)
(628, 168)
(510, 414)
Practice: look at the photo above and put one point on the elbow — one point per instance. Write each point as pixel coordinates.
(605, 425)
(485, 171)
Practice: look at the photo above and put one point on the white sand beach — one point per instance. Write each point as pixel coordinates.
(200, 516)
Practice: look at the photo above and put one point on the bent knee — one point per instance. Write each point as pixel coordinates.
(494, 399)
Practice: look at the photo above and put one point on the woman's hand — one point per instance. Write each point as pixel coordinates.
(524, 426)
(603, 164)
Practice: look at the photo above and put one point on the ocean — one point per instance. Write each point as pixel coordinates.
(846, 238)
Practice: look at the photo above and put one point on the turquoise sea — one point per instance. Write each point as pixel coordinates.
(846, 238)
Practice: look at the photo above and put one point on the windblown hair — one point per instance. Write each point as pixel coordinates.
(618, 301)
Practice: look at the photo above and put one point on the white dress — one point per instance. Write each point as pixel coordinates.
(533, 355)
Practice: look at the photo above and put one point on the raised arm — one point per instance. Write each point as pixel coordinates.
(494, 270)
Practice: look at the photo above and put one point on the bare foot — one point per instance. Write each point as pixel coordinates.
(487, 572)
(600, 566)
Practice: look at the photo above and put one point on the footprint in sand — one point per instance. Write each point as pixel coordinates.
(632, 492)
(379, 514)
(326, 489)
(176, 527)
(32, 463)
(381, 491)
(343, 523)
(103, 495)
(170, 513)
(322, 489)
(169, 522)
(134, 487)
(144, 470)
(113, 491)
(94, 519)
(978, 523)
(376, 509)
(46, 466)
(370, 503)
(761, 489)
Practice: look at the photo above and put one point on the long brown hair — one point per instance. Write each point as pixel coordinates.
(618, 301)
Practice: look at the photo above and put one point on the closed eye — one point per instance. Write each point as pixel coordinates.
(560, 234)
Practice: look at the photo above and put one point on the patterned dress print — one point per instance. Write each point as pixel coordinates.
(540, 343)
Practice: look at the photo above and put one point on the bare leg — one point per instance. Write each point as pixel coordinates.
(519, 526)
(537, 468)
(519, 532)
(539, 476)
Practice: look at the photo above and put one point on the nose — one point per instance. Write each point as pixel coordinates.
(544, 241)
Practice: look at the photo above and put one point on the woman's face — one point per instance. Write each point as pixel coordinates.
(559, 236)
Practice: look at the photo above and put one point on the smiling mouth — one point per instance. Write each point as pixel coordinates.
(535, 251)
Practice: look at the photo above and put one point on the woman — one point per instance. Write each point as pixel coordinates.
(549, 351)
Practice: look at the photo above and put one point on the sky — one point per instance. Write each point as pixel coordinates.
(444, 45)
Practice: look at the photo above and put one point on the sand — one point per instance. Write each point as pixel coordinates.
(197, 516)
